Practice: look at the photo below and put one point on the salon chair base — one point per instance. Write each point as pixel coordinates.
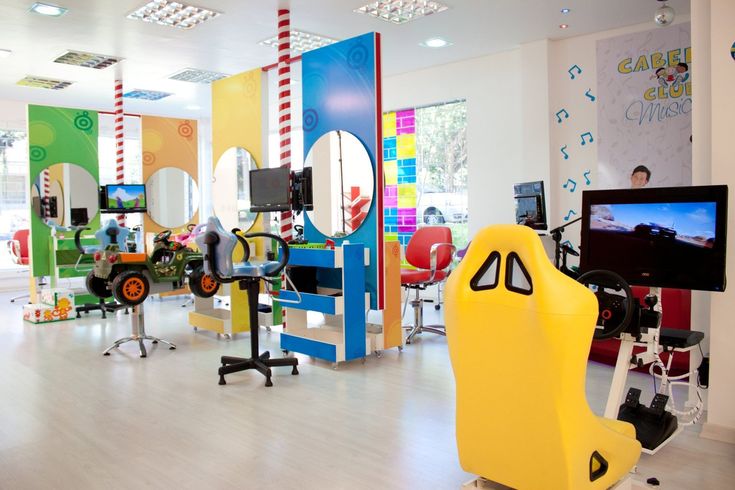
(418, 323)
(138, 334)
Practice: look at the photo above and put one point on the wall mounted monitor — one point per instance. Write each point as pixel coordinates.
(530, 204)
(673, 237)
(123, 198)
(270, 189)
(79, 217)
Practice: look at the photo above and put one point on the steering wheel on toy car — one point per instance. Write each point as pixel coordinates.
(190, 227)
(615, 310)
(162, 236)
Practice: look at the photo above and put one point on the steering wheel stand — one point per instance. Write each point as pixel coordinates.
(261, 362)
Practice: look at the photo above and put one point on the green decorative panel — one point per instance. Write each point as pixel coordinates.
(58, 135)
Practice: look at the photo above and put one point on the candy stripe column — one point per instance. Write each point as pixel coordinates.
(119, 141)
(284, 105)
(46, 191)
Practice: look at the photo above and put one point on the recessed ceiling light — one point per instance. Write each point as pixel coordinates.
(563, 26)
(565, 11)
(435, 42)
(193, 108)
(146, 94)
(301, 41)
(4, 53)
(40, 82)
(173, 14)
(87, 60)
(194, 75)
(48, 9)
(401, 11)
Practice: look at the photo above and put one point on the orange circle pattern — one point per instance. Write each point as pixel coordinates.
(133, 289)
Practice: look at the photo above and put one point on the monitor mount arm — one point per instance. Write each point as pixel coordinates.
(556, 235)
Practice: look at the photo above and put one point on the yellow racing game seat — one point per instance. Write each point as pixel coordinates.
(519, 333)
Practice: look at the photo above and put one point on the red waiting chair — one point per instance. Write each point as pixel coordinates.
(18, 250)
(430, 251)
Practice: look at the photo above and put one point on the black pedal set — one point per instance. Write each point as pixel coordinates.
(653, 424)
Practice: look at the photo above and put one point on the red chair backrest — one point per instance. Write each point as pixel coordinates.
(419, 247)
(676, 305)
(22, 237)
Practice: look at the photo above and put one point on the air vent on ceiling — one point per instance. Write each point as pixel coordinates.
(146, 94)
(40, 82)
(301, 41)
(87, 60)
(401, 11)
(173, 14)
(195, 75)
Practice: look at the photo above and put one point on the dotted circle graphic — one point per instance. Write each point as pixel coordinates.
(185, 130)
(83, 122)
(149, 158)
(37, 153)
(311, 119)
(357, 56)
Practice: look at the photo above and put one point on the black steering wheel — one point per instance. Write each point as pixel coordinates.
(615, 310)
(78, 239)
(190, 227)
(162, 236)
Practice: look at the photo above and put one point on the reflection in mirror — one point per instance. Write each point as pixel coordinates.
(343, 183)
(231, 189)
(173, 197)
(65, 194)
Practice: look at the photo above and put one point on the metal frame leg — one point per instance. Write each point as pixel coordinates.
(139, 335)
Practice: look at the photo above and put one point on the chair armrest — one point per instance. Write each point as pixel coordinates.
(433, 252)
(14, 250)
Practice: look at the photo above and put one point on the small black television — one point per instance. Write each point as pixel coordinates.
(270, 189)
(530, 204)
(79, 217)
(123, 198)
(674, 237)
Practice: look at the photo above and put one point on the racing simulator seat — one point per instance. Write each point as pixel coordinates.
(519, 332)
(430, 251)
(218, 245)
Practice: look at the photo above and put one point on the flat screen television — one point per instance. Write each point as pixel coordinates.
(123, 198)
(674, 237)
(79, 217)
(270, 189)
(530, 204)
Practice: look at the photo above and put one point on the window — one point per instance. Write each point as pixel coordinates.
(487, 276)
(517, 278)
(14, 185)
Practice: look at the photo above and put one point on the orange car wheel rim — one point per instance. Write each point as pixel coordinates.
(208, 283)
(133, 289)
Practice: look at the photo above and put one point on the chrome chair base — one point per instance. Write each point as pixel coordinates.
(139, 335)
(418, 320)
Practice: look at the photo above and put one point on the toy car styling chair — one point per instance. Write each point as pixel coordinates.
(218, 245)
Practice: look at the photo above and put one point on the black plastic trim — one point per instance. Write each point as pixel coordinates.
(495, 255)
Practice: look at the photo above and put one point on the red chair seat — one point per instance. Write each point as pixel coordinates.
(410, 277)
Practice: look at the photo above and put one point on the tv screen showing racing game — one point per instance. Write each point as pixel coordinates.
(666, 237)
(126, 198)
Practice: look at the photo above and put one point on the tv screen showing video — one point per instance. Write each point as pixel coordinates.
(128, 198)
(664, 237)
(530, 204)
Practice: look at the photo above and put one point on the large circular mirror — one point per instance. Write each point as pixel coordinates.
(173, 197)
(231, 189)
(342, 183)
(65, 194)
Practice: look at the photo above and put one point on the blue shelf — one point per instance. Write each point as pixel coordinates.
(311, 302)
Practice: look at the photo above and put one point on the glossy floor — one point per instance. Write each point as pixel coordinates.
(71, 418)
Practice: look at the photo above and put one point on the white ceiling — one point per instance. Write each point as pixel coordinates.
(229, 43)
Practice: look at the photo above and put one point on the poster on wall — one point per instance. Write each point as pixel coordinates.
(644, 111)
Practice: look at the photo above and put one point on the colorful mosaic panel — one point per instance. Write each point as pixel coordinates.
(399, 164)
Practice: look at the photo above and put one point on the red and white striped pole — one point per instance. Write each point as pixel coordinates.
(119, 140)
(284, 105)
(46, 191)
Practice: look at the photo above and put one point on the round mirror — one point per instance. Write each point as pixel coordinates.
(342, 183)
(231, 189)
(65, 194)
(173, 197)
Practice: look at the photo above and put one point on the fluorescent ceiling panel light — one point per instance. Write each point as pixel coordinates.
(435, 42)
(146, 94)
(301, 41)
(563, 26)
(48, 9)
(401, 11)
(87, 60)
(4, 53)
(173, 14)
(195, 75)
(40, 82)
(565, 11)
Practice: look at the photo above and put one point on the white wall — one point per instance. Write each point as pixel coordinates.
(12, 114)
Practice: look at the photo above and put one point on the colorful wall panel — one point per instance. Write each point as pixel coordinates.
(399, 155)
(342, 90)
(57, 135)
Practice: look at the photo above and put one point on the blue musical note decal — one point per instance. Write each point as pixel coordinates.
(558, 117)
(586, 177)
(569, 215)
(574, 67)
(588, 94)
(566, 157)
(584, 142)
(574, 185)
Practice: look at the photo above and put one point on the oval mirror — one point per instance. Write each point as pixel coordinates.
(342, 183)
(173, 197)
(65, 194)
(231, 189)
